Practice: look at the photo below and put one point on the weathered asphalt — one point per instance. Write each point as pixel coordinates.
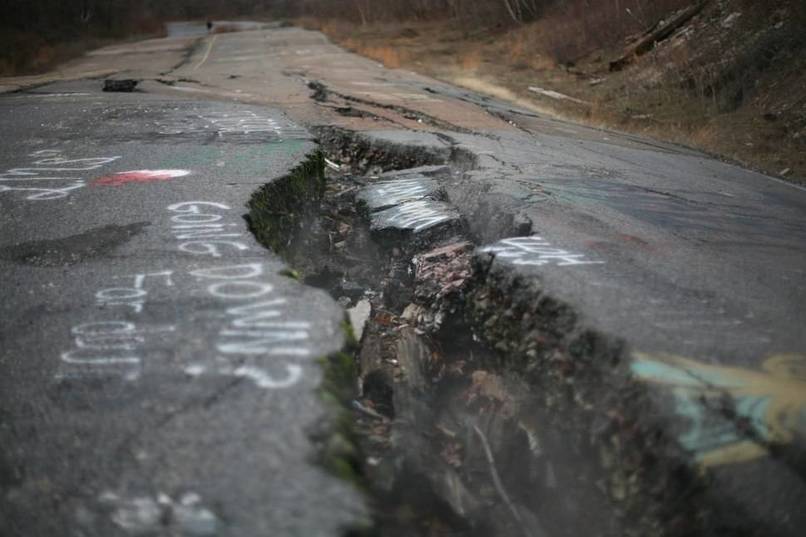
(694, 268)
(159, 375)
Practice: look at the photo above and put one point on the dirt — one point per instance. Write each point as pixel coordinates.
(731, 81)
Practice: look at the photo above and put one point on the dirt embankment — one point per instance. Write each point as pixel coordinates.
(724, 76)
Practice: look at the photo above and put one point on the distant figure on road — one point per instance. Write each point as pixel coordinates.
(209, 25)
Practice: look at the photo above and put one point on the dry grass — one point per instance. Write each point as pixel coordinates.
(387, 55)
(735, 92)
(30, 54)
(470, 60)
(577, 28)
(27, 52)
(523, 52)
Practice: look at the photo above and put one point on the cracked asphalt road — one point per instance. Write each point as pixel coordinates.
(159, 374)
(695, 266)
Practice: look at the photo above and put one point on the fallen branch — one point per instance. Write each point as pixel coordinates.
(557, 95)
(659, 32)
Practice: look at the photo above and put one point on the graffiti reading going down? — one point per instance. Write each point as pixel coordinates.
(535, 251)
(201, 228)
(257, 327)
(253, 333)
(256, 337)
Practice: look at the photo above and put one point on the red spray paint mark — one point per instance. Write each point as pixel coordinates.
(137, 176)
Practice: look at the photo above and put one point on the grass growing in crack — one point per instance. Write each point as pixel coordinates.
(276, 208)
(349, 333)
(291, 273)
(340, 452)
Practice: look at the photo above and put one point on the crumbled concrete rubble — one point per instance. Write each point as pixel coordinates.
(439, 276)
(445, 431)
(359, 315)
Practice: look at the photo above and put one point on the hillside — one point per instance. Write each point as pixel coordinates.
(724, 76)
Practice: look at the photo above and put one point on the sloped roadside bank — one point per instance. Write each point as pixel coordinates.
(485, 403)
(727, 82)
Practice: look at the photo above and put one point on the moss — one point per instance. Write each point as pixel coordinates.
(339, 376)
(340, 453)
(276, 208)
(291, 273)
(275, 211)
(352, 344)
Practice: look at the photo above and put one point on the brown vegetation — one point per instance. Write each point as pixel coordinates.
(729, 80)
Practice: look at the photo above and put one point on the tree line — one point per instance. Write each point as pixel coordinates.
(34, 34)
(479, 12)
(59, 18)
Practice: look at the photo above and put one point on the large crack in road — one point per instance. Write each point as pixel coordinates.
(476, 394)
(455, 435)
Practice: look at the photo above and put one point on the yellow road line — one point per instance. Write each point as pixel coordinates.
(206, 54)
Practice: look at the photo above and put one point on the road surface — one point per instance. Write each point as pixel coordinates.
(666, 288)
(155, 362)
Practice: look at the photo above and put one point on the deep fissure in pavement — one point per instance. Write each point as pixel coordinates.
(402, 372)
(460, 388)
(425, 411)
